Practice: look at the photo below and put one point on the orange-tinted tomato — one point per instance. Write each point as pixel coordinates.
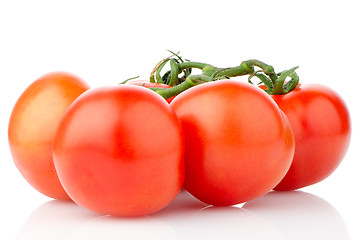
(33, 124)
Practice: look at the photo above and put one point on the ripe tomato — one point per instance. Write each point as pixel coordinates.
(239, 145)
(119, 151)
(148, 84)
(32, 127)
(322, 130)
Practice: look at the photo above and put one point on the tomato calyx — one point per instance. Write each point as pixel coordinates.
(277, 84)
(171, 77)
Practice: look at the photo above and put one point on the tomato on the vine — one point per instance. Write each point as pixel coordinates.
(322, 130)
(32, 128)
(239, 145)
(119, 151)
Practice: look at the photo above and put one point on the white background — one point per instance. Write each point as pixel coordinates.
(106, 42)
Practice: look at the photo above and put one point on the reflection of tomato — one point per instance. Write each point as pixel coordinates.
(148, 84)
(239, 145)
(322, 130)
(32, 127)
(119, 151)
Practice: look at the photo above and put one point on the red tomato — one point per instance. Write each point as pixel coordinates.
(239, 145)
(119, 151)
(148, 84)
(32, 127)
(322, 130)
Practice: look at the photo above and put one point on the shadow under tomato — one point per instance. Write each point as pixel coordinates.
(277, 215)
(108, 227)
(192, 219)
(183, 204)
(227, 223)
(300, 215)
(66, 220)
(55, 219)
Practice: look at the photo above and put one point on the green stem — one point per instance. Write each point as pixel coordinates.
(174, 73)
(267, 69)
(190, 81)
(246, 67)
(240, 70)
(158, 71)
(280, 87)
(184, 65)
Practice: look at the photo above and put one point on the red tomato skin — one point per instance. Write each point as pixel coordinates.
(119, 151)
(322, 128)
(32, 126)
(148, 84)
(239, 145)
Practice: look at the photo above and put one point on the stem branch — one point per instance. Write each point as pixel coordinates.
(184, 65)
(190, 81)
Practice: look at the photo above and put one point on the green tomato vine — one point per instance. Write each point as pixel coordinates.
(180, 77)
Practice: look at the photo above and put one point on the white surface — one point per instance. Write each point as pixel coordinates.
(106, 42)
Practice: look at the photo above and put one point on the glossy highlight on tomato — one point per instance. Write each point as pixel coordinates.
(119, 151)
(239, 145)
(32, 128)
(322, 128)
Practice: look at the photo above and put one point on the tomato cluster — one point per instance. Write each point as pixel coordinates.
(126, 151)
